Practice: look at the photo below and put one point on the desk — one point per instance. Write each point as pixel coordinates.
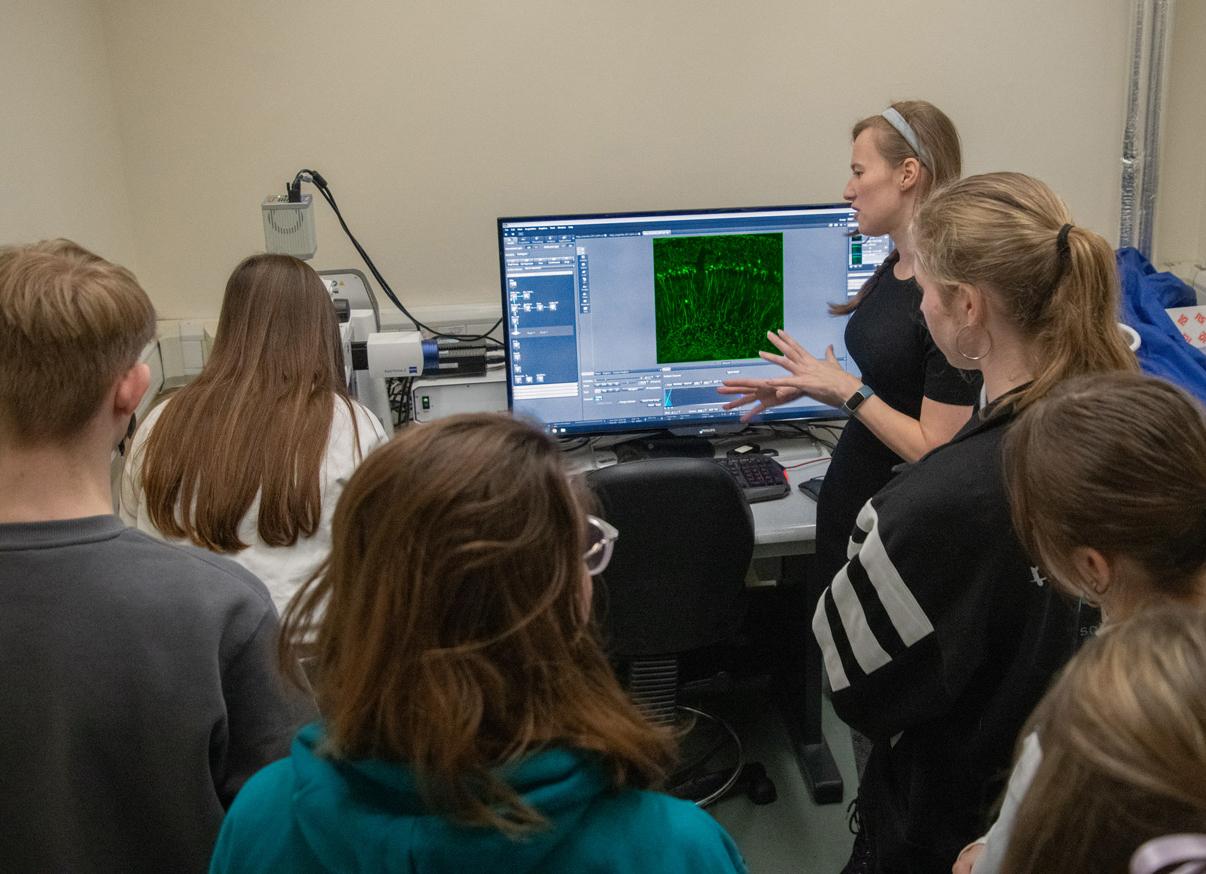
(784, 530)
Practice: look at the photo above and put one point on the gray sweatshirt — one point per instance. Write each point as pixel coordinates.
(138, 691)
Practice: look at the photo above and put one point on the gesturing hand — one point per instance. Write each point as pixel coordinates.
(822, 379)
(756, 390)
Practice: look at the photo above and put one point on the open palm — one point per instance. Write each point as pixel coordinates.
(820, 378)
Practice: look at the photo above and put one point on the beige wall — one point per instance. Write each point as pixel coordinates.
(1180, 235)
(429, 119)
(62, 172)
(150, 131)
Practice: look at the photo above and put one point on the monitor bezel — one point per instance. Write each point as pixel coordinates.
(714, 425)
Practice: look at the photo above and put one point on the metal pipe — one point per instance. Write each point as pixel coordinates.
(1161, 14)
(1131, 164)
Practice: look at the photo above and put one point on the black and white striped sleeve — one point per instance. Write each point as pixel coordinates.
(876, 635)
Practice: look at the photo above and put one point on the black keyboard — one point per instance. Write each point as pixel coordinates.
(761, 477)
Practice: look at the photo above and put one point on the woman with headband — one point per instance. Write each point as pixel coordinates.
(909, 398)
(939, 635)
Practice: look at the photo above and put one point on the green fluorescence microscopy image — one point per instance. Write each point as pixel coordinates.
(716, 296)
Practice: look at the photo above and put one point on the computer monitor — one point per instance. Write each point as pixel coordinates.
(629, 321)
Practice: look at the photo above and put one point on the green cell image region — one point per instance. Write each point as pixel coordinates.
(715, 297)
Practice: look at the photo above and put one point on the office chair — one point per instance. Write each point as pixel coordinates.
(676, 585)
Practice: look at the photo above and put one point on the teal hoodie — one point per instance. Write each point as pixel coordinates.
(311, 813)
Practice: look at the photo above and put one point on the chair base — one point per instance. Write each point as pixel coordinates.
(706, 788)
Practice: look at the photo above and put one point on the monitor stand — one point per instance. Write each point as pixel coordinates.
(663, 444)
(707, 430)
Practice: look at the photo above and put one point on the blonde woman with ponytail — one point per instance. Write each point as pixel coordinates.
(939, 635)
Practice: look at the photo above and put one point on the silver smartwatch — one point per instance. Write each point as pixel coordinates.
(853, 402)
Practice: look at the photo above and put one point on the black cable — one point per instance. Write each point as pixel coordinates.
(408, 399)
(400, 391)
(321, 184)
(833, 430)
(577, 443)
(394, 395)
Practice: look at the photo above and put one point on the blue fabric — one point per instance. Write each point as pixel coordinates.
(312, 813)
(1163, 351)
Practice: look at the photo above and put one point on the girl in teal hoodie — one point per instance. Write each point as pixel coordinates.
(471, 722)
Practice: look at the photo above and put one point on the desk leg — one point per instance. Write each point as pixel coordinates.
(799, 681)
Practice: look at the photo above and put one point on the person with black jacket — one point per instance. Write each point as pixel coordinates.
(938, 635)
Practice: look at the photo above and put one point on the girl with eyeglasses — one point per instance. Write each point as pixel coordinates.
(471, 721)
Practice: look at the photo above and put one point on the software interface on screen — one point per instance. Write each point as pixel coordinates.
(630, 322)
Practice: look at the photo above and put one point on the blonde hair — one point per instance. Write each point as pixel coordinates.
(1000, 232)
(257, 419)
(1123, 735)
(70, 324)
(449, 629)
(1115, 462)
(939, 140)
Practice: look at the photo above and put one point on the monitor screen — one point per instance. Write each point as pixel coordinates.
(629, 322)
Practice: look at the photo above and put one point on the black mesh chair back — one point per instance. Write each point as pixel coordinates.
(677, 573)
(676, 584)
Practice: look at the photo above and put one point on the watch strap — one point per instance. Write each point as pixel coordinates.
(853, 402)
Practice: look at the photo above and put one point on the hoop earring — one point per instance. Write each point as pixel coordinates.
(963, 354)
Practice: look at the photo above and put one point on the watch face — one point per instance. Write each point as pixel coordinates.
(857, 398)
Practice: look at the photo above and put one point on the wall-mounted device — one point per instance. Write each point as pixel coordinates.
(289, 226)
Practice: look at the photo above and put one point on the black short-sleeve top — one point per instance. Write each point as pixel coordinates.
(898, 359)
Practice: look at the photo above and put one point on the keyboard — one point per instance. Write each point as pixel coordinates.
(761, 477)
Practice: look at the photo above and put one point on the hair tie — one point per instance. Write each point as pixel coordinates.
(1061, 244)
(902, 127)
(1065, 258)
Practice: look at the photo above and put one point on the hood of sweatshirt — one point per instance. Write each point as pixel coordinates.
(384, 825)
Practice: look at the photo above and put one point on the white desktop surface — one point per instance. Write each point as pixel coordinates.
(787, 526)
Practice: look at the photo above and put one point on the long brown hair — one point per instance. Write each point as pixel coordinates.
(1001, 232)
(1115, 462)
(1123, 737)
(257, 418)
(938, 138)
(70, 323)
(449, 627)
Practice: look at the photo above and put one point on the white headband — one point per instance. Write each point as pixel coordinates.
(905, 129)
